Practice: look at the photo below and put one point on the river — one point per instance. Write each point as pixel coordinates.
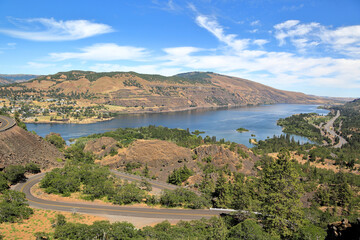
(222, 123)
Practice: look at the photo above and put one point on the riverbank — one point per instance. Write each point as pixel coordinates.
(66, 121)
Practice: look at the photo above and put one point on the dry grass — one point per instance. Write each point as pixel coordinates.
(41, 221)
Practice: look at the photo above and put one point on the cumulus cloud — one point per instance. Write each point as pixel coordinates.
(147, 69)
(280, 69)
(344, 40)
(103, 52)
(48, 29)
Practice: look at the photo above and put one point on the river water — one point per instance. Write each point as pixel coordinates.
(260, 120)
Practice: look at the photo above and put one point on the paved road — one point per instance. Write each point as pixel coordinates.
(90, 208)
(329, 128)
(6, 123)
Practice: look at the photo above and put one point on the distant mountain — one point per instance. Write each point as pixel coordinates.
(4, 81)
(134, 92)
(11, 78)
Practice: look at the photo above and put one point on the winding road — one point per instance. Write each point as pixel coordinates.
(329, 128)
(130, 211)
(6, 123)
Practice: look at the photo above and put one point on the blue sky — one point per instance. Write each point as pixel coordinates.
(298, 45)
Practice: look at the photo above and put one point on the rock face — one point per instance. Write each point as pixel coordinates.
(18, 146)
(101, 146)
(344, 230)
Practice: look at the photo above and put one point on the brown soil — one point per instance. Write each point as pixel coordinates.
(18, 146)
(41, 221)
(162, 157)
(328, 164)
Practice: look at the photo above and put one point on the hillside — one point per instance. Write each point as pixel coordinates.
(130, 92)
(18, 146)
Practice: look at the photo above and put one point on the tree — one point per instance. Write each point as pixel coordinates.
(32, 168)
(222, 194)
(3, 183)
(249, 230)
(281, 204)
(13, 206)
(15, 173)
(56, 140)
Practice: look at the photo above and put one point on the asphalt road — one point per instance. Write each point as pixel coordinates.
(329, 128)
(6, 123)
(90, 208)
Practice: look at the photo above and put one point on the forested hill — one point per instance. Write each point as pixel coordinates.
(156, 93)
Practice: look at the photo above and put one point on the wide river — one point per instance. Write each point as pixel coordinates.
(260, 120)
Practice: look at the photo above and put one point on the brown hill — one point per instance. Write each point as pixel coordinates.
(133, 92)
(162, 157)
(18, 146)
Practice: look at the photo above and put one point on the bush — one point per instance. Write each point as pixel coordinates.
(128, 193)
(32, 168)
(15, 173)
(56, 140)
(3, 183)
(13, 206)
(178, 176)
(182, 197)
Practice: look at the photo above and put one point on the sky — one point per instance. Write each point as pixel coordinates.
(297, 45)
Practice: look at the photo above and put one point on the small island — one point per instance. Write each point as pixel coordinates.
(240, 130)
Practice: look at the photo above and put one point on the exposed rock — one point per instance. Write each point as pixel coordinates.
(344, 230)
(162, 157)
(18, 146)
(101, 146)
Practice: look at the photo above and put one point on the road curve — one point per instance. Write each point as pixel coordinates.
(6, 123)
(329, 128)
(90, 208)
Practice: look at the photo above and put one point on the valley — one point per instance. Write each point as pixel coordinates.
(87, 97)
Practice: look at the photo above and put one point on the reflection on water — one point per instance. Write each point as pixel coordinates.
(222, 123)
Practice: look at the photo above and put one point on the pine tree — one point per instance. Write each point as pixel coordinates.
(222, 194)
(281, 205)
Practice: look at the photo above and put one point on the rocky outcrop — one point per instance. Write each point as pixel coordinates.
(162, 157)
(344, 230)
(18, 146)
(101, 146)
(222, 157)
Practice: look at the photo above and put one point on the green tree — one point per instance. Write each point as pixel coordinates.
(56, 140)
(249, 230)
(15, 173)
(222, 194)
(3, 183)
(13, 206)
(32, 168)
(281, 204)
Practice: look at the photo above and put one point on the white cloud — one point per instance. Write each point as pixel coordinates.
(39, 65)
(255, 23)
(344, 40)
(148, 69)
(260, 42)
(103, 52)
(279, 69)
(48, 29)
(229, 39)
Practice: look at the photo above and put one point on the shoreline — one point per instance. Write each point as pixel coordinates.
(204, 108)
